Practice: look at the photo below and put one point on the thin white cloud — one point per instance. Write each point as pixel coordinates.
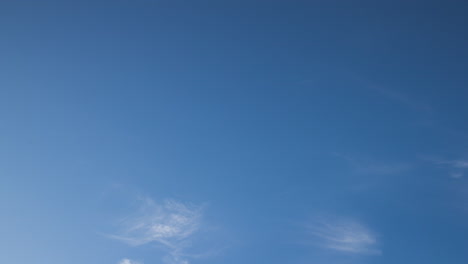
(394, 95)
(347, 236)
(170, 225)
(129, 261)
(363, 165)
(380, 168)
(462, 164)
(458, 168)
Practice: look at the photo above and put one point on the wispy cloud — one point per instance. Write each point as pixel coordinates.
(462, 164)
(170, 225)
(371, 166)
(456, 175)
(347, 236)
(394, 95)
(129, 261)
(457, 168)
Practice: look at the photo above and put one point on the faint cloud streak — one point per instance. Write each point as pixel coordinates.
(458, 167)
(394, 95)
(346, 236)
(370, 166)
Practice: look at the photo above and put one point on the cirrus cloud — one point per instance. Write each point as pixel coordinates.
(343, 235)
(169, 225)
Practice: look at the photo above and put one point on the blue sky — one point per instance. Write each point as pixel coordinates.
(177, 132)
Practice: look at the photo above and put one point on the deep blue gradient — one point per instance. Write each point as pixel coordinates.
(269, 113)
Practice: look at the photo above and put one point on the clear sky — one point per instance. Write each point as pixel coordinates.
(279, 132)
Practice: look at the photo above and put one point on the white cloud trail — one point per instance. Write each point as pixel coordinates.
(346, 236)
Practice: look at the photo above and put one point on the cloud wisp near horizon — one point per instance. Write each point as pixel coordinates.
(343, 235)
(170, 225)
